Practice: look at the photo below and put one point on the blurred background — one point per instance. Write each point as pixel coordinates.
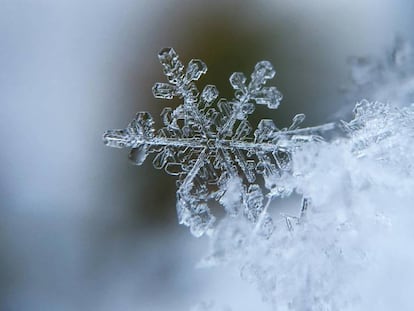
(81, 228)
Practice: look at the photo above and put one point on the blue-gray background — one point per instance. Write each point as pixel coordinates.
(82, 229)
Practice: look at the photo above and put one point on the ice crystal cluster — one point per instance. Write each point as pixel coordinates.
(348, 247)
(344, 254)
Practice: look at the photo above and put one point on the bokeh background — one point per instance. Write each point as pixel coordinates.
(82, 229)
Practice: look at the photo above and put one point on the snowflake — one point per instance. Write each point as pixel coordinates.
(208, 144)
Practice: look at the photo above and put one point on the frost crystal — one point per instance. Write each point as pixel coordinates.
(208, 144)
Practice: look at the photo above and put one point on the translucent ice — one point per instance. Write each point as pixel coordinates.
(210, 147)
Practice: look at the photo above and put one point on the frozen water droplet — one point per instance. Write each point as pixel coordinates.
(138, 155)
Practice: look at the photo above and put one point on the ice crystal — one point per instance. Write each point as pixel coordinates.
(209, 144)
(377, 128)
(359, 188)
